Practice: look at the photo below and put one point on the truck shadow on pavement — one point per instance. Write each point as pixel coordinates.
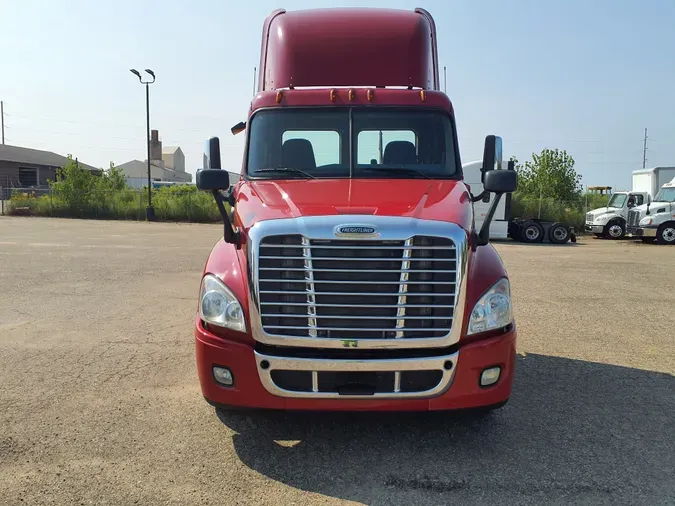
(572, 430)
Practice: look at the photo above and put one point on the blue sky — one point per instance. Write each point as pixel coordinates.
(585, 76)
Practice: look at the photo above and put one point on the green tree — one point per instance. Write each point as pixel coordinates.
(112, 180)
(73, 184)
(550, 174)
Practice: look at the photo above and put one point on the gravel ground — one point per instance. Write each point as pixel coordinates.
(100, 403)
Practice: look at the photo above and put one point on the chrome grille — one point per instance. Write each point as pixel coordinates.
(357, 289)
(633, 218)
(589, 217)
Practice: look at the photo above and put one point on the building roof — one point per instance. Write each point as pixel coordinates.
(142, 165)
(170, 150)
(31, 156)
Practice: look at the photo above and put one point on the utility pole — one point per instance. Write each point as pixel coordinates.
(2, 120)
(644, 151)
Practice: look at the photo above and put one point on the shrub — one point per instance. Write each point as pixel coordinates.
(77, 193)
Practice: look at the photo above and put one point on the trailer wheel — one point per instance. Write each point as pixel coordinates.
(666, 233)
(558, 233)
(615, 230)
(532, 232)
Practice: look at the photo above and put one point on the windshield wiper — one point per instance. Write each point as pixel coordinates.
(285, 169)
(396, 170)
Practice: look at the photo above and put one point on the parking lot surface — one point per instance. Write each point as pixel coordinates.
(100, 402)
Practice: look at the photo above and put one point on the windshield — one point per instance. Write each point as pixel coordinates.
(665, 195)
(617, 200)
(384, 143)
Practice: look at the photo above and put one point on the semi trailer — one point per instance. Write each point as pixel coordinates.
(351, 274)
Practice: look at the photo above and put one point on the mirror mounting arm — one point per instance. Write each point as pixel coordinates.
(230, 235)
(483, 237)
(480, 196)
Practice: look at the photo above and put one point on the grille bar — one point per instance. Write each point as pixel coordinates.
(320, 246)
(347, 317)
(301, 304)
(364, 329)
(358, 282)
(311, 297)
(354, 294)
(367, 271)
(356, 259)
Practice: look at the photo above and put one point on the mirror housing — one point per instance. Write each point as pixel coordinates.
(501, 181)
(238, 128)
(495, 180)
(492, 155)
(213, 179)
(212, 154)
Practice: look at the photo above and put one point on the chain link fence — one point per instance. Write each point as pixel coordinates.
(171, 204)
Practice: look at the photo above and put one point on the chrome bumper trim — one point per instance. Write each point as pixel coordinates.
(333, 365)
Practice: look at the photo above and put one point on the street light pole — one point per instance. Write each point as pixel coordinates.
(149, 211)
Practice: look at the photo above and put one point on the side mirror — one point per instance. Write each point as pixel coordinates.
(492, 155)
(501, 181)
(239, 127)
(213, 179)
(212, 154)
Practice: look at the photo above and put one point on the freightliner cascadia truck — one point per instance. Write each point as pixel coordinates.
(351, 275)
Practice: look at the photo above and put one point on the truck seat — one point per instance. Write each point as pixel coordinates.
(298, 154)
(399, 153)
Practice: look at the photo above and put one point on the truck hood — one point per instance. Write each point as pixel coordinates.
(653, 206)
(604, 210)
(415, 198)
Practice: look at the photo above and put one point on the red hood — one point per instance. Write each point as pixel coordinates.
(415, 198)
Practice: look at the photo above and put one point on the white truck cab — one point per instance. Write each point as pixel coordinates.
(610, 221)
(499, 227)
(655, 220)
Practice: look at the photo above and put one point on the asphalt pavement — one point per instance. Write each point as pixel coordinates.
(100, 402)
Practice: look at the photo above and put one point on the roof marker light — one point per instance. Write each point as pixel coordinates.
(333, 94)
(423, 95)
(369, 95)
(352, 95)
(279, 94)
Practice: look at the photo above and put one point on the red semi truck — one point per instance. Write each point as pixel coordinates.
(350, 275)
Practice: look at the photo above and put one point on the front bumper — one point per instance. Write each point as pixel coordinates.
(642, 231)
(458, 389)
(596, 229)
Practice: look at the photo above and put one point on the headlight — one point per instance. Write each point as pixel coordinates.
(493, 310)
(218, 305)
(646, 221)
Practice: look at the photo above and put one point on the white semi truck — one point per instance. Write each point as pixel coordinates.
(611, 221)
(503, 225)
(655, 220)
(499, 226)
